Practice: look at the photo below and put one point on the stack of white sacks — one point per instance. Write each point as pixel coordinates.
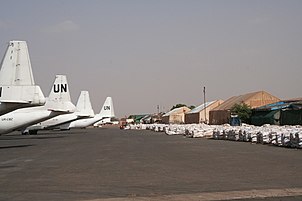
(285, 136)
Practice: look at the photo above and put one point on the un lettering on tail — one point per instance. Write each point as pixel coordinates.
(60, 88)
(107, 109)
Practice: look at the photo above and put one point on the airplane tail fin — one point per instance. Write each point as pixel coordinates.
(84, 105)
(107, 109)
(16, 78)
(15, 66)
(59, 96)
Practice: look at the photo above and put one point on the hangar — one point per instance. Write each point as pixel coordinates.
(222, 113)
(175, 116)
(200, 114)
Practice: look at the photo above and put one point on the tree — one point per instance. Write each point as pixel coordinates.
(243, 111)
(192, 107)
(177, 106)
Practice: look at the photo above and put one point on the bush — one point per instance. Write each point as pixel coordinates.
(243, 111)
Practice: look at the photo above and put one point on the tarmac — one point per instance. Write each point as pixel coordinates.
(108, 164)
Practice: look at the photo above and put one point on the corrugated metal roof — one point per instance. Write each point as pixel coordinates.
(201, 107)
(179, 109)
(293, 100)
(280, 105)
(273, 106)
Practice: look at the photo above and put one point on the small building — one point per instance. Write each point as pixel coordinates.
(136, 118)
(200, 114)
(222, 113)
(175, 116)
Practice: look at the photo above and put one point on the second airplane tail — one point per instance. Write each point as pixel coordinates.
(84, 105)
(59, 96)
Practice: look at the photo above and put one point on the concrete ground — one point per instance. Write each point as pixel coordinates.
(119, 165)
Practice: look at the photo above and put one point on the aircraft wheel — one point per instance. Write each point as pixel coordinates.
(33, 132)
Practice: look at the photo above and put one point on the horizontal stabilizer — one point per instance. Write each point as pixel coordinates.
(15, 97)
(22, 94)
(60, 110)
(81, 116)
(15, 101)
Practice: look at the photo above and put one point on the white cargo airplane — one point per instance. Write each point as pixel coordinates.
(84, 110)
(57, 103)
(107, 111)
(17, 86)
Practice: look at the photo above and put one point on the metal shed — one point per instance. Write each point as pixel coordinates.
(280, 113)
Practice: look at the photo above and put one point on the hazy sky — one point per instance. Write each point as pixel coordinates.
(160, 52)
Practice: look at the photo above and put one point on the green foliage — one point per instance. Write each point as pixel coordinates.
(177, 106)
(243, 111)
(192, 107)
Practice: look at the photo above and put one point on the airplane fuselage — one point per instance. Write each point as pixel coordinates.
(83, 123)
(54, 122)
(22, 118)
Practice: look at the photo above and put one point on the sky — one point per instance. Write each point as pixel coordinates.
(145, 53)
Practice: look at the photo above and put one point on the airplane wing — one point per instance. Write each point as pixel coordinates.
(15, 101)
(60, 110)
(82, 116)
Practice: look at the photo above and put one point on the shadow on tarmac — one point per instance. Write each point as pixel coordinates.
(16, 146)
(30, 137)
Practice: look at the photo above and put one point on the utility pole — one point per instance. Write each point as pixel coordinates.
(204, 104)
